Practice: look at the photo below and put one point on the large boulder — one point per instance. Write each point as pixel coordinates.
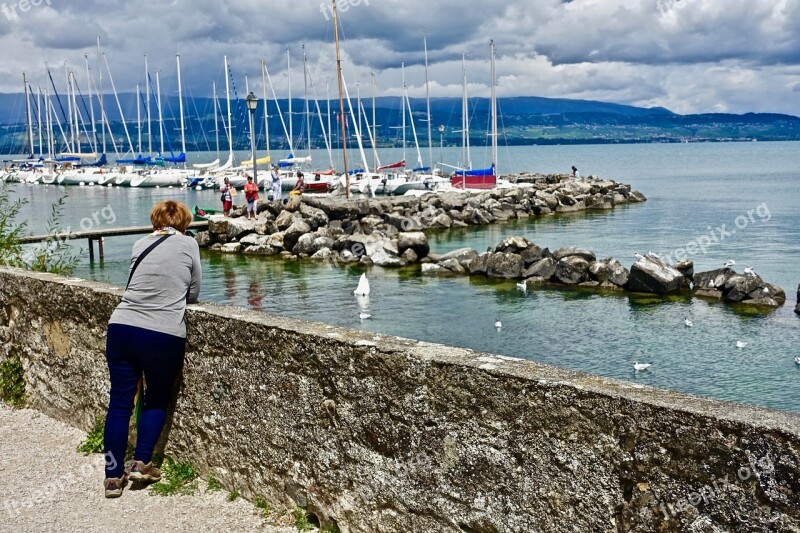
(654, 276)
(480, 265)
(572, 270)
(441, 221)
(286, 219)
(239, 227)
(416, 240)
(570, 251)
(453, 266)
(298, 228)
(402, 223)
(609, 270)
(686, 268)
(305, 245)
(505, 265)
(544, 268)
(315, 217)
(462, 255)
(513, 245)
(533, 254)
(712, 279)
(739, 286)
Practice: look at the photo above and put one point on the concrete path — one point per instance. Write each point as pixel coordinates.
(45, 485)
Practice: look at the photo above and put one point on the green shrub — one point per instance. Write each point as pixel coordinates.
(94, 439)
(177, 478)
(12, 381)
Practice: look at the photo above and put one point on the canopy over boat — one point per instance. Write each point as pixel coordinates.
(399, 164)
(292, 160)
(180, 158)
(140, 160)
(101, 162)
(476, 172)
(262, 161)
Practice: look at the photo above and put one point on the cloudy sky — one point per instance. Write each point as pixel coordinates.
(691, 56)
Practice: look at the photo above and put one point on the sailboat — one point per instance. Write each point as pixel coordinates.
(484, 178)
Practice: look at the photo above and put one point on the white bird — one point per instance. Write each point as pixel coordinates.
(741, 344)
(748, 270)
(522, 286)
(712, 284)
(797, 359)
(637, 366)
(363, 286)
(688, 322)
(766, 290)
(364, 316)
(653, 255)
(729, 263)
(638, 256)
(498, 325)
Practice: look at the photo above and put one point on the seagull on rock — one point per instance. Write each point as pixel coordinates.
(637, 366)
(688, 322)
(638, 256)
(364, 316)
(741, 344)
(363, 286)
(729, 263)
(748, 270)
(653, 255)
(498, 325)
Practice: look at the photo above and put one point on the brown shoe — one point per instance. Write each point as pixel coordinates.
(113, 486)
(144, 472)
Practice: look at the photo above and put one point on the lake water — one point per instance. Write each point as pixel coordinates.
(739, 201)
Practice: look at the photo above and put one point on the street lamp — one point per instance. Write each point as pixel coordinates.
(441, 142)
(252, 105)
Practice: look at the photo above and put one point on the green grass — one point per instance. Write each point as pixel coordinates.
(177, 478)
(12, 381)
(263, 506)
(213, 484)
(94, 439)
(301, 521)
(233, 495)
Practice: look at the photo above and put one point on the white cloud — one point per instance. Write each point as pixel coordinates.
(687, 55)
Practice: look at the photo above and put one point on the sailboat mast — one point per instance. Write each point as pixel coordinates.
(180, 105)
(494, 109)
(403, 100)
(216, 118)
(93, 140)
(147, 106)
(160, 116)
(328, 100)
(39, 117)
(28, 113)
(119, 108)
(230, 122)
(69, 110)
(289, 80)
(305, 96)
(49, 123)
(139, 116)
(100, 95)
(467, 162)
(75, 111)
(266, 108)
(374, 127)
(341, 98)
(428, 102)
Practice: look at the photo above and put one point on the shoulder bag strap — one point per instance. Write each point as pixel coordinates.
(142, 256)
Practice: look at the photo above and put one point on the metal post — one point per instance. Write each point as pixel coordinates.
(91, 250)
(100, 248)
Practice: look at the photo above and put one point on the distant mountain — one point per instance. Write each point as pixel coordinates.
(523, 120)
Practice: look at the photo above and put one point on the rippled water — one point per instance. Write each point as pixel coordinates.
(693, 190)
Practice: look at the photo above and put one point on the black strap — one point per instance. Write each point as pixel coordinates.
(143, 255)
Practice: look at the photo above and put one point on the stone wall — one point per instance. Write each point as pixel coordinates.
(382, 434)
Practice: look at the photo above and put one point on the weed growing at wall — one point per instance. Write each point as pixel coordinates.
(301, 521)
(10, 231)
(213, 484)
(263, 506)
(94, 439)
(12, 381)
(177, 478)
(233, 495)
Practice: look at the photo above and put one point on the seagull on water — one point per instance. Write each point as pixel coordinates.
(522, 286)
(363, 286)
(637, 366)
(498, 325)
(741, 344)
(797, 359)
(688, 322)
(729, 263)
(364, 316)
(748, 270)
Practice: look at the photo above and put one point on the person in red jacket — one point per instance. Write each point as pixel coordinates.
(251, 197)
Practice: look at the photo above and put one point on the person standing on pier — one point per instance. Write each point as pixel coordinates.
(251, 196)
(276, 184)
(227, 197)
(147, 338)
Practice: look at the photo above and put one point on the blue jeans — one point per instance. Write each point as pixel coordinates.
(132, 352)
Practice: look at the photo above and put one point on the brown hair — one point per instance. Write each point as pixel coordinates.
(171, 213)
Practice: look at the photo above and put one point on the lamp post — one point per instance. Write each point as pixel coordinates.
(441, 142)
(252, 105)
